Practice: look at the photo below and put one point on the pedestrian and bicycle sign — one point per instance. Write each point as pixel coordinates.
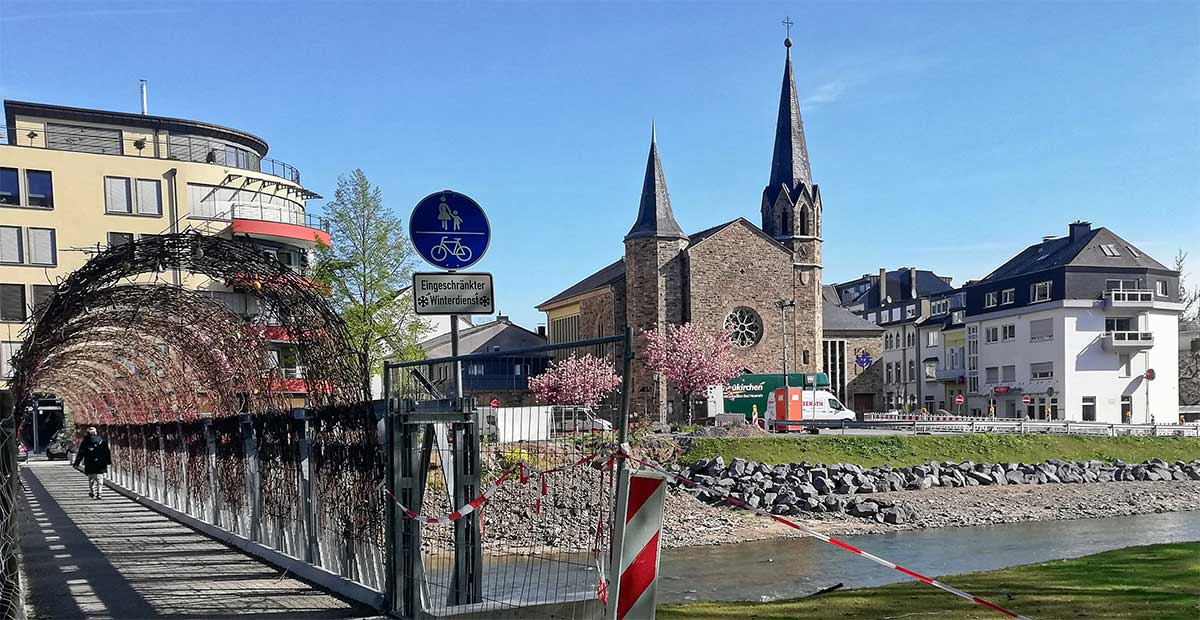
(449, 230)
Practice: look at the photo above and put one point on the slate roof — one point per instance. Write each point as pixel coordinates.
(899, 285)
(655, 218)
(836, 319)
(615, 272)
(1082, 250)
(606, 276)
(501, 333)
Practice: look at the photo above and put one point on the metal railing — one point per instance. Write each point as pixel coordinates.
(1129, 296)
(1130, 337)
(967, 424)
(180, 148)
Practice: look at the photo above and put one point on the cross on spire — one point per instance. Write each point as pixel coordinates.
(787, 26)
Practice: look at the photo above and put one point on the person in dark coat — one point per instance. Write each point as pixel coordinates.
(95, 457)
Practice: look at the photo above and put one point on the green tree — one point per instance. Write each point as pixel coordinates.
(369, 261)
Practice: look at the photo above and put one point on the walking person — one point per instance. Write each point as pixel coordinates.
(95, 457)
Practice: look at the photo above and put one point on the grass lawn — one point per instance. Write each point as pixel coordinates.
(913, 449)
(1159, 582)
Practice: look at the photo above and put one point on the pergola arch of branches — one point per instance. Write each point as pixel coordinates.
(119, 351)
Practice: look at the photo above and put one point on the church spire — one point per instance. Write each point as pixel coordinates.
(655, 218)
(789, 163)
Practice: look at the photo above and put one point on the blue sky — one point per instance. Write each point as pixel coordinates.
(943, 135)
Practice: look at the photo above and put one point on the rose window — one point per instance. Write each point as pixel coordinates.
(745, 326)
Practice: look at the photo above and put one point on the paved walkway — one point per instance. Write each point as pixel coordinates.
(114, 558)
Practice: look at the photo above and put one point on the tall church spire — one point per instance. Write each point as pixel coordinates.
(655, 218)
(789, 163)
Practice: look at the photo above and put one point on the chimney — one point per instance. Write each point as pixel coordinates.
(947, 279)
(502, 318)
(1079, 228)
(541, 331)
(882, 286)
(145, 109)
(912, 282)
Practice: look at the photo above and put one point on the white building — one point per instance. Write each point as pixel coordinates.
(1074, 325)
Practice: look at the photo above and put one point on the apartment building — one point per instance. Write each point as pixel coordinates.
(941, 339)
(1082, 327)
(75, 181)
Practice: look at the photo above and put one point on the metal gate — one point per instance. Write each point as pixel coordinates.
(500, 506)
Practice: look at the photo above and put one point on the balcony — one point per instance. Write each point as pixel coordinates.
(1121, 342)
(278, 223)
(950, 375)
(1128, 301)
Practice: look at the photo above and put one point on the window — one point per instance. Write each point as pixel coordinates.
(11, 251)
(1041, 370)
(889, 373)
(1118, 325)
(40, 188)
(804, 356)
(117, 197)
(1122, 285)
(42, 249)
(744, 326)
(910, 312)
(992, 374)
(958, 316)
(1008, 332)
(1089, 408)
(1008, 296)
(1161, 287)
(1039, 292)
(117, 239)
(941, 306)
(989, 300)
(475, 369)
(912, 370)
(7, 351)
(1133, 251)
(1041, 329)
(1008, 374)
(973, 363)
(1125, 365)
(40, 294)
(871, 317)
(1109, 250)
(895, 314)
(973, 384)
(932, 339)
(930, 371)
(12, 302)
(10, 188)
(991, 334)
(149, 197)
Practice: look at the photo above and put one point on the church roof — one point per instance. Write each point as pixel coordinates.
(615, 272)
(655, 218)
(838, 320)
(789, 161)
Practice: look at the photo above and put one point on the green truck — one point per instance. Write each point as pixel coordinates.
(742, 393)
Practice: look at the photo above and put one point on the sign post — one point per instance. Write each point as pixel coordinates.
(958, 400)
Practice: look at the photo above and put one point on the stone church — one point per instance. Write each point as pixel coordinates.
(740, 274)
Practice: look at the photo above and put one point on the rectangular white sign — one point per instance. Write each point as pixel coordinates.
(453, 293)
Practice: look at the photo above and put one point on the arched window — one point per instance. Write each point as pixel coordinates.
(785, 223)
(805, 220)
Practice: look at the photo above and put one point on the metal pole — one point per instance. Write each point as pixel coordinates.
(456, 368)
(36, 411)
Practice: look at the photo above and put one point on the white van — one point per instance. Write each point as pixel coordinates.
(818, 405)
(568, 419)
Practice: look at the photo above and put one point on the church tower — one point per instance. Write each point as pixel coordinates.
(653, 279)
(791, 214)
(791, 205)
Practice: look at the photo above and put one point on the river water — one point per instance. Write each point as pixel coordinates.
(787, 568)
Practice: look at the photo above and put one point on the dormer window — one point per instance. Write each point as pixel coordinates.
(1039, 292)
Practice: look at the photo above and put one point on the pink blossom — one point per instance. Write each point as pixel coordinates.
(582, 380)
(691, 356)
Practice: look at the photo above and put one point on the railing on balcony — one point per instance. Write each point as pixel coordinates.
(113, 141)
(1128, 340)
(952, 375)
(1125, 298)
(276, 213)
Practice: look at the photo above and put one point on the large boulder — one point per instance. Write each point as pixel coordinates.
(862, 509)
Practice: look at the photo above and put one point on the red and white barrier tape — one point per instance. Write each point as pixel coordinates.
(833, 541)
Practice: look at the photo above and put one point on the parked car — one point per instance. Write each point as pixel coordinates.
(578, 420)
(60, 446)
(22, 452)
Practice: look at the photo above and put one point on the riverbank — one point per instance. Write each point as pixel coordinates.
(691, 522)
(1160, 582)
(904, 450)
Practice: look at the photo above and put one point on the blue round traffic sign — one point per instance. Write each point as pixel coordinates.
(449, 230)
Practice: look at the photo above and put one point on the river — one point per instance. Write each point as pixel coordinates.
(787, 568)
